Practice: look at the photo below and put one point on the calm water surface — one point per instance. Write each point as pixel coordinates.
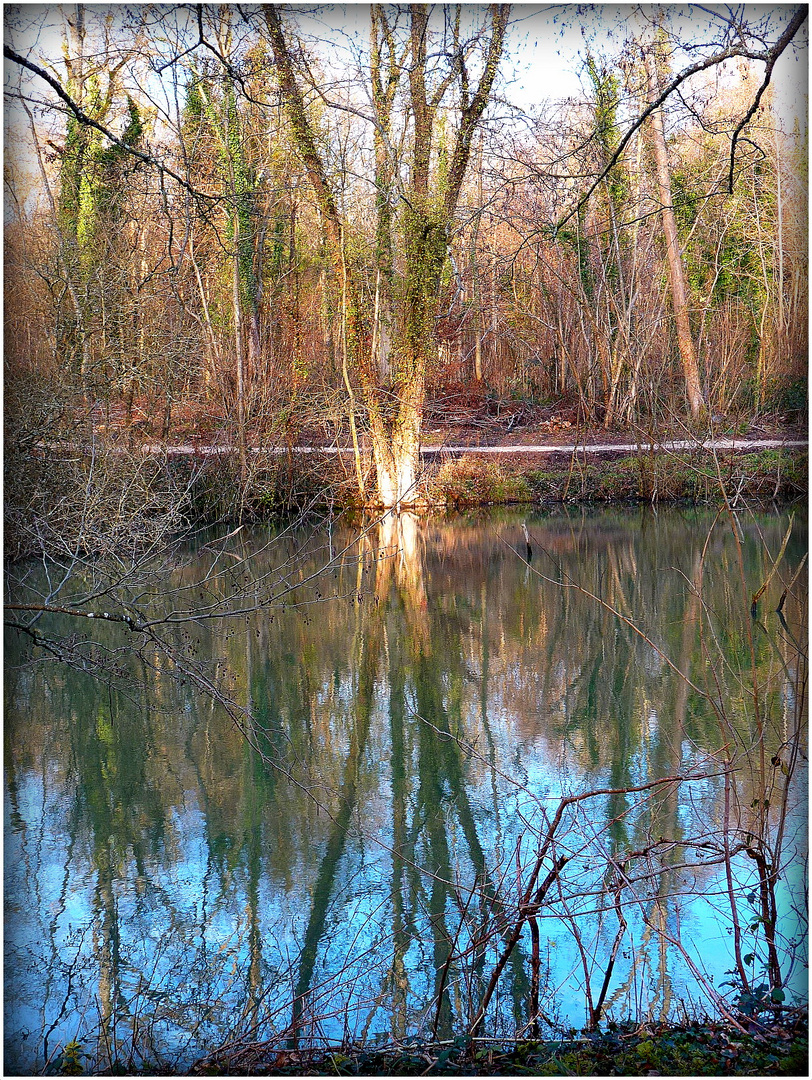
(346, 862)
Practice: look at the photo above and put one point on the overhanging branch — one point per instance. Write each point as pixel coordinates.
(767, 56)
(88, 121)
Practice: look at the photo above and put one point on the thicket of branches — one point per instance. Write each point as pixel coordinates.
(139, 290)
(236, 223)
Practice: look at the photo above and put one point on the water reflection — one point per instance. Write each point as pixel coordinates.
(354, 868)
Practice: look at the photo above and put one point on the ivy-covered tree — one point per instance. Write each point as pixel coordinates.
(90, 176)
(425, 188)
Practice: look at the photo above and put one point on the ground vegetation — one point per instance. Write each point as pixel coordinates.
(698, 1049)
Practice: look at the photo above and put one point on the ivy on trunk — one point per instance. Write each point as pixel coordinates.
(389, 353)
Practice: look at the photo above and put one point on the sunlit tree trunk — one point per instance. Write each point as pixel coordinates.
(676, 273)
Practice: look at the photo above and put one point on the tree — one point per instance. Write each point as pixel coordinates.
(676, 272)
(393, 392)
(236, 175)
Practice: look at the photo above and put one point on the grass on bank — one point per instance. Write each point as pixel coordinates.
(764, 475)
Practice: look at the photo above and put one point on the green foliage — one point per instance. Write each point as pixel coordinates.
(237, 173)
(661, 1050)
(82, 150)
(277, 246)
(607, 97)
(112, 162)
(722, 257)
(91, 194)
(193, 107)
(685, 198)
(777, 396)
(91, 173)
(575, 240)
(425, 254)
(72, 1054)
(616, 187)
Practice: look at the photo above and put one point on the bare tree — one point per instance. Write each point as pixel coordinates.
(676, 271)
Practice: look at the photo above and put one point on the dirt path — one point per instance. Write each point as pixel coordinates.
(668, 446)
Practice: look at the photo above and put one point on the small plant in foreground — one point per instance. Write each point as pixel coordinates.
(72, 1054)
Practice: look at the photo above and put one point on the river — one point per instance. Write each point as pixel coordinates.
(311, 806)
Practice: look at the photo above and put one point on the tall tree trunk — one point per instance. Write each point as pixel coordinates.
(239, 362)
(676, 273)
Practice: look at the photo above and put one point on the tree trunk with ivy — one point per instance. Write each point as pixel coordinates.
(393, 391)
(88, 195)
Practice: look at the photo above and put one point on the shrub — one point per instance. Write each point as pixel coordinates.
(472, 481)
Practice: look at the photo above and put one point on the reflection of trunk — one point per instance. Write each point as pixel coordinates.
(400, 540)
(323, 888)
(400, 855)
(442, 780)
(676, 274)
(438, 867)
(658, 918)
(687, 650)
(253, 837)
(106, 943)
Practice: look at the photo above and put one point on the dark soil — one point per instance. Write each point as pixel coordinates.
(461, 419)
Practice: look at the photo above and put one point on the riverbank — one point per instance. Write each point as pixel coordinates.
(460, 478)
(651, 475)
(516, 458)
(120, 495)
(700, 1049)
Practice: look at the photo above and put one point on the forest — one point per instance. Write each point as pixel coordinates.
(266, 227)
(341, 737)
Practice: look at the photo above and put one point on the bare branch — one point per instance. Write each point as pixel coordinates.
(768, 56)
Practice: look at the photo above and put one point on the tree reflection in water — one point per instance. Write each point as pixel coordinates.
(356, 869)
